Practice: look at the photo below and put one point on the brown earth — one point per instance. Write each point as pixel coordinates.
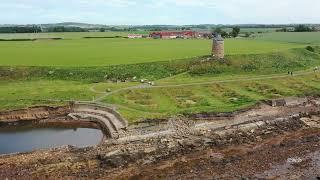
(265, 142)
(267, 159)
(35, 113)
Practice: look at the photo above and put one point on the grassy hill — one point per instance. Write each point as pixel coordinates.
(240, 81)
(51, 72)
(185, 86)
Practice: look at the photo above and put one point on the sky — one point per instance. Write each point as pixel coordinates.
(178, 12)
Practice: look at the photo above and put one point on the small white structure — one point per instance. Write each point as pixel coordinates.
(134, 36)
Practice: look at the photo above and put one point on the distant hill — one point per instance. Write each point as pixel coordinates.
(65, 24)
(82, 27)
(75, 24)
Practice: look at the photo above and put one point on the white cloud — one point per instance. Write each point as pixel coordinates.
(265, 11)
(110, 3)
(163, 11)
(15, 6)
(183, 3)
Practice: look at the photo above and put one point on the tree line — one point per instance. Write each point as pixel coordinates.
(20, 29)
(65, 29)
(235, 29)
(298, 28)
(38, 29)
(234, 33)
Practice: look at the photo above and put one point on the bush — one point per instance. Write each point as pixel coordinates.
(249, 67)
(303, 28)
(205, 68)
(309, 48)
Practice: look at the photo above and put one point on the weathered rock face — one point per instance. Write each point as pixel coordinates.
(288, 102)
(35, 113)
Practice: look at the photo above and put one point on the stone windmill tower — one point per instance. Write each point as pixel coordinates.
(218, 46)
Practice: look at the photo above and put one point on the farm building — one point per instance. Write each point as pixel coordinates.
(134, 36)
(173, 34)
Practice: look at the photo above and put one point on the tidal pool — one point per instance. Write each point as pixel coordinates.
(27, 139)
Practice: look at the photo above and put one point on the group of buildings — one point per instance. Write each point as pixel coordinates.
(172, 35)
(217, 46)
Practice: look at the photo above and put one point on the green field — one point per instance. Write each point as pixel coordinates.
(16, 94)
(214, 97)
(51, 72)
(292, 37)
(102, 52)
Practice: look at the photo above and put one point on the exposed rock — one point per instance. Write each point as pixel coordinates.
(35, 113)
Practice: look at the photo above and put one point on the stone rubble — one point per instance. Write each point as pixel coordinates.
(179, 135)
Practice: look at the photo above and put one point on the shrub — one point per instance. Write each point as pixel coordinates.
(249, 67)
(310, 48)
(206, 68)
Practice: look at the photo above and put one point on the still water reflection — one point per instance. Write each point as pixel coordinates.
(29, 139)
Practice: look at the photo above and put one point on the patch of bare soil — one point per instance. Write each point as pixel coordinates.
(294, 155)
(264, 142)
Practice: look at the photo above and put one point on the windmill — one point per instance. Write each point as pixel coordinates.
(218, 46)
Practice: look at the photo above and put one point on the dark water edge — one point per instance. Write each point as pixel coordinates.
(28, 138)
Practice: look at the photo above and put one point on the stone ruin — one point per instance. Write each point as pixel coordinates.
(218, 47)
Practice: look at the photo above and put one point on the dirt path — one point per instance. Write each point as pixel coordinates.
(99, 99)
(144, 86)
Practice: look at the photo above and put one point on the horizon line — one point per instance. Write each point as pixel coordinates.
(101, 24)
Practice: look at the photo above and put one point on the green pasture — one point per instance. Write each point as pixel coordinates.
(104, 52)
(49, 72)
(216, 97)
(161, 102)
(291, 37)
(19, 94)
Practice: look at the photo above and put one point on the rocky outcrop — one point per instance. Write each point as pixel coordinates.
(291, 101)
